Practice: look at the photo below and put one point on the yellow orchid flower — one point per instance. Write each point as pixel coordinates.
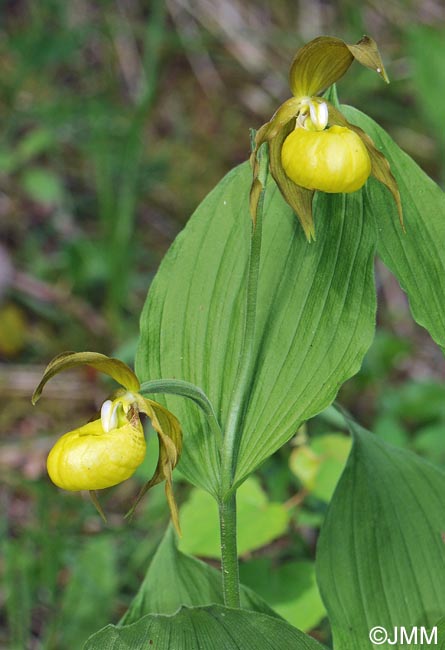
(108, 450)
(311, 144)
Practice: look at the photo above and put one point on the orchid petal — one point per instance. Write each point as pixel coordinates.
(170, 446)
(287, 111)
(299, 198)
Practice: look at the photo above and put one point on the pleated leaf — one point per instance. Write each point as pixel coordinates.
(175, 579)
(416, 258)
(203, 628)
(440, 634)
(314, 324)
(381, 554)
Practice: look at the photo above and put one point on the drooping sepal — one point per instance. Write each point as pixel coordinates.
(324, 60)
(169, 433)
(114, 368)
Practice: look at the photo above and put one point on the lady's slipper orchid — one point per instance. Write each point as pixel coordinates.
(108, 450)
(311, 144)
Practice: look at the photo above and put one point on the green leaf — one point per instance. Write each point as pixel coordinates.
(381, 554)
(34, 144)
(416, 258)
(175, 579)
(290, 588)
(43, 186)
(440, 634)
(314, 324)
(215, 627)
(259, 521)
(319, 464)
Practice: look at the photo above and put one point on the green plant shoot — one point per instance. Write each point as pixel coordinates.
(261, 310)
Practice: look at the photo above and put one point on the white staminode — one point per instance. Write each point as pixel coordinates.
(319, 114)
(108, 415)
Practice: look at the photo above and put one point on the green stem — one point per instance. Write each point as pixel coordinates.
(190, 391)
(229, 555)
(233, 430)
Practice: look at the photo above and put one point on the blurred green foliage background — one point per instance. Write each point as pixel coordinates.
(117, 117)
